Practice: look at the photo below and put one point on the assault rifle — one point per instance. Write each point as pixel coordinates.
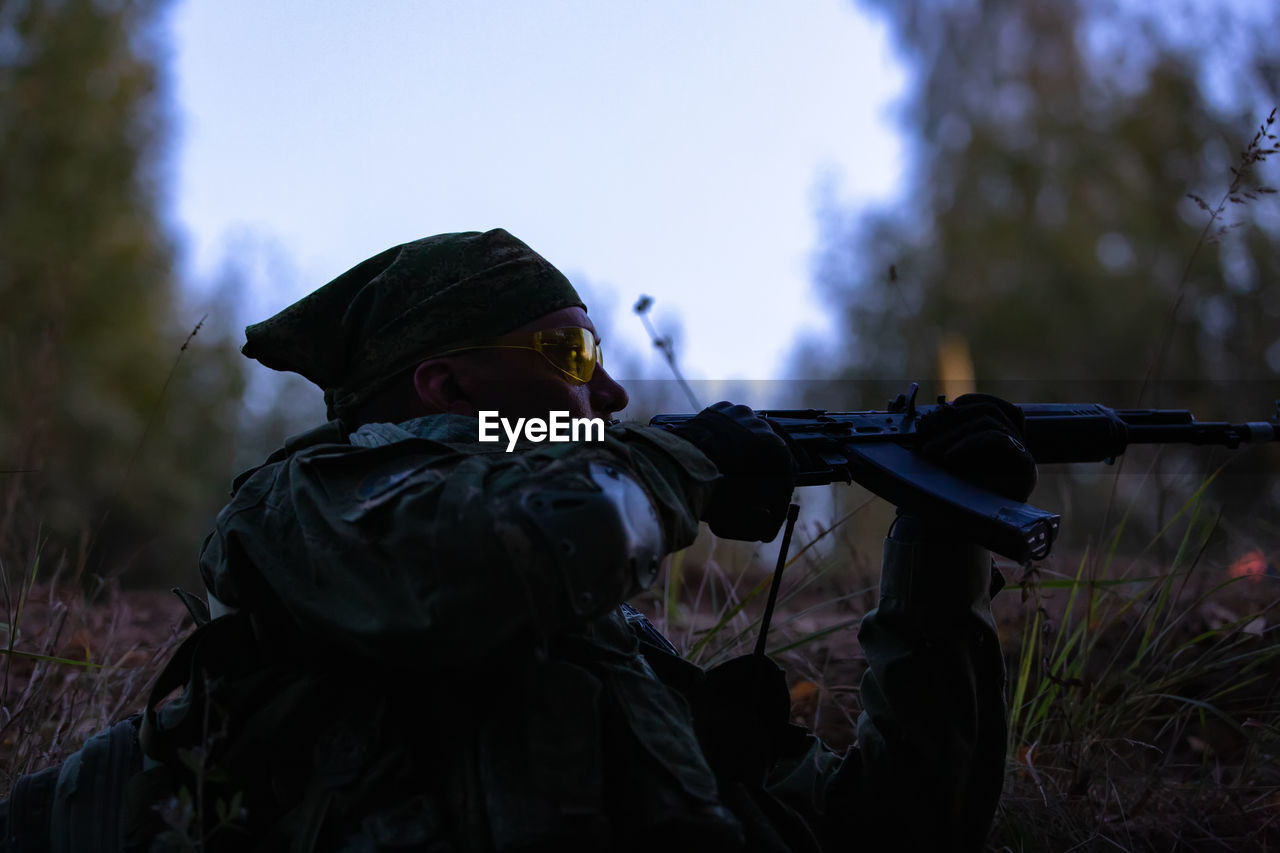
(874, 449)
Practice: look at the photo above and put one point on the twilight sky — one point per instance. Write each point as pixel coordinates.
(674, 149)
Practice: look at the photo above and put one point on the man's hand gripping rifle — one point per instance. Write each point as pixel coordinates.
(875, 450)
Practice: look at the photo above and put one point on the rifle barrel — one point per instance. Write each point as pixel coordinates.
(1065, 432)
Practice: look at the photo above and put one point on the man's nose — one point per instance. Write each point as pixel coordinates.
(607, 396)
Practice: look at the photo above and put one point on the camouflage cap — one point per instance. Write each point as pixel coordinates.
(378, 318)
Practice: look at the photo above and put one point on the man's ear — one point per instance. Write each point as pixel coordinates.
(438, 388)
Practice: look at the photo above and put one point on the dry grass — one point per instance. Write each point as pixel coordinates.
(74, 663)
(1144, 704)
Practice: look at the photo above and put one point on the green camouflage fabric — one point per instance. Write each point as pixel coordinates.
(375, 320)
(401, 670)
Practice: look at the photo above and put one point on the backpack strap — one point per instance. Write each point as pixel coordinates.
(214, 648)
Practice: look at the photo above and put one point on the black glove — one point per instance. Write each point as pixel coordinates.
(980, 438)
(743, 712)
(750, 500)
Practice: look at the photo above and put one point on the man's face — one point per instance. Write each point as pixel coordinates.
(520, 383)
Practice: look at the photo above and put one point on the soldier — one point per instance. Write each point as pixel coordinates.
(419, 641)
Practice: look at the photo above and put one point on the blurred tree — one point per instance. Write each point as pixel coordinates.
(1047, 222)
(113, 475)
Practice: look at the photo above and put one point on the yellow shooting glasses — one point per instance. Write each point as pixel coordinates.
(572, 350)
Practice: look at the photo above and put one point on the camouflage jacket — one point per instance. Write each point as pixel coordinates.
(398, 663)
